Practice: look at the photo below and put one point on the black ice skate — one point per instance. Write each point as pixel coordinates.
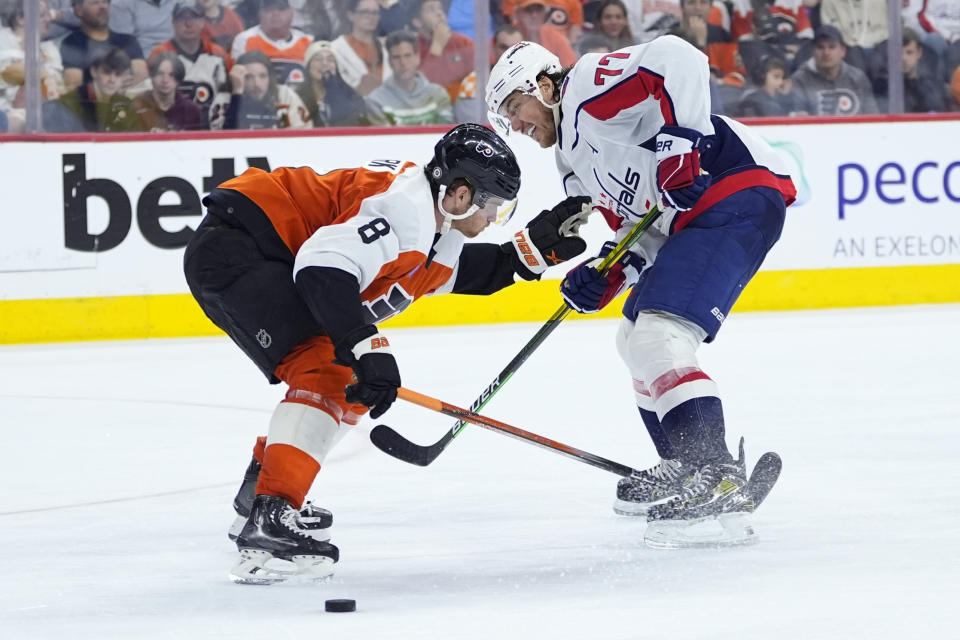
(712, 510)
(273, 532)
(314, 520)
(636, 493)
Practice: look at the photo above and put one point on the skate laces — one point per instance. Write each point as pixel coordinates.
(290, 518)
(696, 484)
(665, 470)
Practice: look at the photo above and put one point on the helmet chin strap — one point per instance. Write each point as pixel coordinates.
(448, 217)
(554, 108)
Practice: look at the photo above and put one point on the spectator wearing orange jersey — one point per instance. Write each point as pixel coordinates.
(531, 17)
(446, 58)
(360, 54)
(770, 20)
(275, 37)
(222, 24)
(565, 14)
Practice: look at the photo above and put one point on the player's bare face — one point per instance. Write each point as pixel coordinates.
(530, 117)
(256, 82)
(474, 225)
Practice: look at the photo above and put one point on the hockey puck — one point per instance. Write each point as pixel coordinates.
(342, 605)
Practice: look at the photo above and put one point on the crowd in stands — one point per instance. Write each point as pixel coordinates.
(173, 65)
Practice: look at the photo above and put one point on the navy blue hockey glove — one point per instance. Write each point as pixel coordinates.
(368, 353)
(586, 291)
(550, 238)
(679, 176)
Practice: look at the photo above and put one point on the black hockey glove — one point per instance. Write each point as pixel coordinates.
(368, 353)
(550, 238)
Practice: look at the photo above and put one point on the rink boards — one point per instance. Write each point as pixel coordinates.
(93, 232)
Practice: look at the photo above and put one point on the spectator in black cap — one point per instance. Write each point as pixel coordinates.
(829, 85)
(205, 63)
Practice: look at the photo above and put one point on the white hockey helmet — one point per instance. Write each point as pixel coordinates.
(517, 70)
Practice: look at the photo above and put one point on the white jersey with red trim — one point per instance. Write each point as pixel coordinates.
(612, 107)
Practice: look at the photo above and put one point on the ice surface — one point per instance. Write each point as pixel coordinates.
(122, 460)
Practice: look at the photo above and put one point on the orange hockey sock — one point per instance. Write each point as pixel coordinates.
(287, 472)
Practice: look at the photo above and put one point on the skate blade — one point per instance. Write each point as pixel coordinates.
(253, 568)
(625, 508)
(712, 532)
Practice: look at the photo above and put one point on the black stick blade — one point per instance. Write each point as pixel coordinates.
(394, 444)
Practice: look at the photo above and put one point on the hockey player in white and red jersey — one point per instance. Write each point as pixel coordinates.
(632, 129)
(298, 268)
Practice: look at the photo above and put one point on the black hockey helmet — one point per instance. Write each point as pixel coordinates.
(481, 157)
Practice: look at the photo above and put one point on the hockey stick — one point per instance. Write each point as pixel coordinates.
(759, 484)
(465, 415)
(394, 444)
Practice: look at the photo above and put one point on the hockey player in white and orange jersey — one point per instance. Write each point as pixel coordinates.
(298, 268)
(632, 129)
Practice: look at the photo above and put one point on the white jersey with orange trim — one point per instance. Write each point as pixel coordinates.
(386, 246)
(613, 105)
(286, 55)
(375, 222)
